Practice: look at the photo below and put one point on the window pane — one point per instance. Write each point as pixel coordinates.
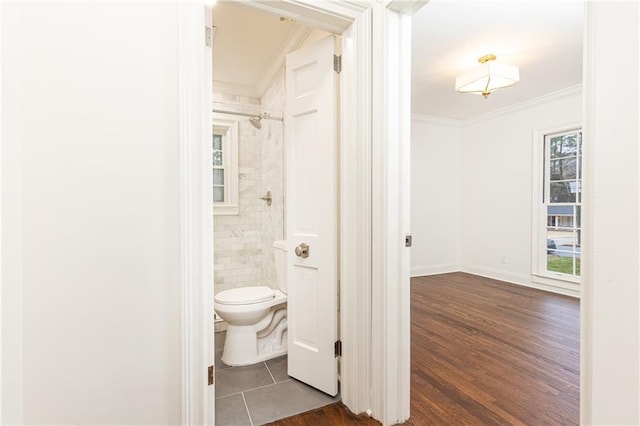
(217, 158)
(564, 169)
(563, 146)
(218, 194)
(560, 216)
(563, 192)
(217, 142)
(577, 266)
(562, 264)
(218, 176)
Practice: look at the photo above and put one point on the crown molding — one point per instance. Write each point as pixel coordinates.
(441, 121)
(406, 7)
(530, 103)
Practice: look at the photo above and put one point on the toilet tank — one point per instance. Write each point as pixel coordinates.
(280, 254)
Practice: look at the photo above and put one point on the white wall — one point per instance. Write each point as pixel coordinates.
(435, 196)
(93, 110)
(496, 168)
(611, 304)
(471, 196)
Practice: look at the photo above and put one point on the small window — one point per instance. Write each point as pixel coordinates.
(224, 155)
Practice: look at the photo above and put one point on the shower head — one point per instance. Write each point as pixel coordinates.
(256, 122)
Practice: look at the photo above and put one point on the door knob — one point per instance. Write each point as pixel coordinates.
(302, 250)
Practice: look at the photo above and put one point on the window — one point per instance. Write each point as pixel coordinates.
(218, 169)
(224, 155)
(558, 205)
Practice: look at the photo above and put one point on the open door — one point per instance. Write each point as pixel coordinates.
(312, 209)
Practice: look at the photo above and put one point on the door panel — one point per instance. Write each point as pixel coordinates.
(311, 144)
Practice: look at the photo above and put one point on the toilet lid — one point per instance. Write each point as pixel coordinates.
(245, 295)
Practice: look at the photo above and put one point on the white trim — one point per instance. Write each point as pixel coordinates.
(1, 227)
(444, 268)
(355, 216)
(540, 100)
(390, 179)
(331, 16)
(519, 279)
(440, 121)
(11, 171)
(539, 275)
(586, 304)
(530, 103)
(230, 147)
(196, 226)
(406, 7)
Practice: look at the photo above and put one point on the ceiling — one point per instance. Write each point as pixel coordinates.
(249, 46)
(543, 38)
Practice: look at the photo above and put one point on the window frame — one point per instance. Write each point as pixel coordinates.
(228, 127)
(540, 193)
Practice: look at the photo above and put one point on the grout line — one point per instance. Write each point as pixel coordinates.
(272, 378)
(246, 407)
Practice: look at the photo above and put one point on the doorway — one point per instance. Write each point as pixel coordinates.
(374, 362)
(268, 378)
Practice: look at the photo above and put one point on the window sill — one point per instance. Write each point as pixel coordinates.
(560, 281)
(225, 210)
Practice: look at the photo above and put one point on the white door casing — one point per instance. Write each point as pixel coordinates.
(311, 182)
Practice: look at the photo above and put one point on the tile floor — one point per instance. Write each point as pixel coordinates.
(261, 393)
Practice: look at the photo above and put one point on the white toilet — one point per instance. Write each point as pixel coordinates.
(257, 318)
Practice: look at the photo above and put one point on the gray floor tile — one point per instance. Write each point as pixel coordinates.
(231, 411)
(278, 368)
(238, 379)
(219, 340)
(283, 400)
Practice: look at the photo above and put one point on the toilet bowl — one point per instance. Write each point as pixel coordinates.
(256, 318)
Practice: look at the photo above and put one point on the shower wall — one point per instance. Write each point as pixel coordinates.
(243, 243)
(238, 238)
(273, 102)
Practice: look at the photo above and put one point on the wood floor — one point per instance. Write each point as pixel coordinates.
(484, 352)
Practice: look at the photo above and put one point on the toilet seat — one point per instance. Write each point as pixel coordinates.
(245, 295)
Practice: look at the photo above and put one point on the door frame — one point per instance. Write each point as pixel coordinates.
(374, 197)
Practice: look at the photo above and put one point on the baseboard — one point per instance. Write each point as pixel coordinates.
(445, 268)
(513, 278)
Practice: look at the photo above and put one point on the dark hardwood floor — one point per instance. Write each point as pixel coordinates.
(484, 352)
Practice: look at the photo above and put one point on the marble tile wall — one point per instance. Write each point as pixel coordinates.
(243, 243)
(237, 247)
(273, 102)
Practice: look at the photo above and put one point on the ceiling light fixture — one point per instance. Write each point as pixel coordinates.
(487, 77)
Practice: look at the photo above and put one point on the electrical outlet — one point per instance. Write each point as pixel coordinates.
(503, 258)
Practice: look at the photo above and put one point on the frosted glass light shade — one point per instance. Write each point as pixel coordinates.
(487, 77)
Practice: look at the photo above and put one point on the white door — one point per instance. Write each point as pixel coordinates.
(311, 179)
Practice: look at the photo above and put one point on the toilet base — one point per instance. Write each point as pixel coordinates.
(247, 345)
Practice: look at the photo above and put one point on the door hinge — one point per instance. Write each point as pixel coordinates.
(337, 63)
(211, 375)
(209, 33)
(337, 348)
(408, 240)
